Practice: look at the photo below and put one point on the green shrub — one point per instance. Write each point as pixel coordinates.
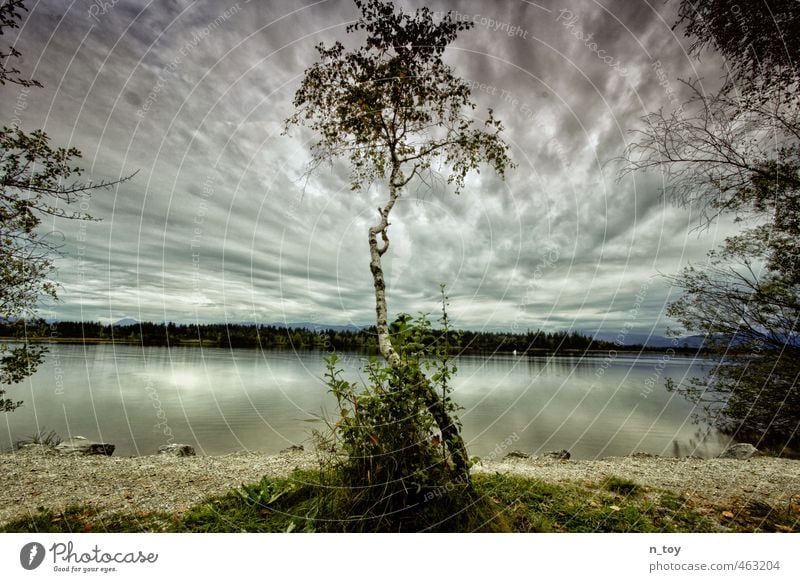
(621, 485)
(385, 450)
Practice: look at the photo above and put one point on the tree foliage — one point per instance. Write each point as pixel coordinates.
(723, 155)
(393, 106)
(10, 16)
(36, 180)
(737, 152)
(757, 39)
(397, 112)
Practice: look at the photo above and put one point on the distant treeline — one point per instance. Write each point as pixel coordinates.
(278, 337)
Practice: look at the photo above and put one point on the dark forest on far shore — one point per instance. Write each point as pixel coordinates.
(310, 338)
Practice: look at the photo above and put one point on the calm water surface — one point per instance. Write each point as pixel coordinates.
(222, 401)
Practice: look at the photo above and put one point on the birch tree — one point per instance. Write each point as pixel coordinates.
(396, 111)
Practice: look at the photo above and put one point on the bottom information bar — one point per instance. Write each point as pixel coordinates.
(399, 557)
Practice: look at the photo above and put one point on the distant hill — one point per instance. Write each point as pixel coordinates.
(127, 321)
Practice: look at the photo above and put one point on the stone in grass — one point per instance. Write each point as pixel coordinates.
(517, 455)
(739, 451)
(561, 455)
(177, 450)
(82, 446)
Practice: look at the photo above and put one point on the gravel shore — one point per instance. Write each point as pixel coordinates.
(33, 479)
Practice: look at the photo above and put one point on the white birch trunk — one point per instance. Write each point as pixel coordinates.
(450, 433)
(375, 265)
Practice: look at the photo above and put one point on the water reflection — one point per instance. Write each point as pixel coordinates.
(222, 401)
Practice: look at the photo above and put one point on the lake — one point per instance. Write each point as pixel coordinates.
(222, 401)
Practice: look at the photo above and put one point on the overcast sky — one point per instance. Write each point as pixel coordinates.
(219, 225)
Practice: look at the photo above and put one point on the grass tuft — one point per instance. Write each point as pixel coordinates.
(621, 485)
(49, 439)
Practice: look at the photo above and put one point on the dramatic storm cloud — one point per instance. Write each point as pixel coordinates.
(221, 224)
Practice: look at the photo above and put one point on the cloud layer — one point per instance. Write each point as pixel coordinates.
(220, 223)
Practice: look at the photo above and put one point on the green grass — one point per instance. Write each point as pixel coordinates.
(534, 506)
(621, 485)
(309, 501)
(86, 519)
